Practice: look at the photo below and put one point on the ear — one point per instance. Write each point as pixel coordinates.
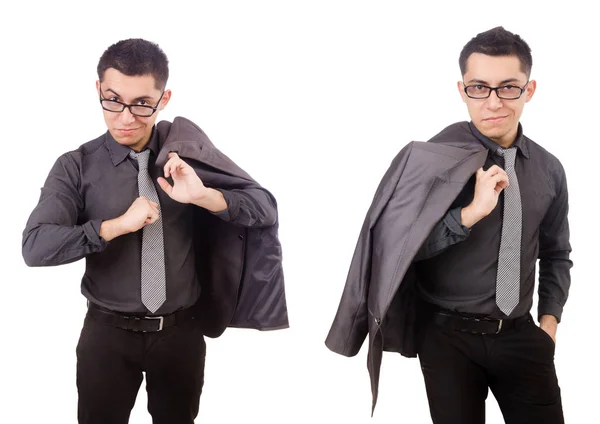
(461, 91)
(530, 90)
(165, 99)
(98, 88)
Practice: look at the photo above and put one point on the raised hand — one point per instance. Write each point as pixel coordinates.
(187, 186)
(488, 186)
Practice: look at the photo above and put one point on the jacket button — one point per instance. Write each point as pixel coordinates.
(241, 236)
(378, 320)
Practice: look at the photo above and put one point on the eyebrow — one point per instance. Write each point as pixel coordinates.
(506, 81)
(137, 99)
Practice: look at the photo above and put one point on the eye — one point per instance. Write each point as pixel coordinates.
(113, 99)
(143, 103)
(509, 87)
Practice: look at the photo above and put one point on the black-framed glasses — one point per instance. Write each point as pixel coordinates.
(506, 92)
(144, 111)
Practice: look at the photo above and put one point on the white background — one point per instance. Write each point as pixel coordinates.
(313, 99)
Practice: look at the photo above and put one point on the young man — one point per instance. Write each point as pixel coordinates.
(165, 242)
(457, 226)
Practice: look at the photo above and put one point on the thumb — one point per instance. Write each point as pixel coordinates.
(480, 172)
(164, 184)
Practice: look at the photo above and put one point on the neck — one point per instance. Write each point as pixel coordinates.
(507, 140)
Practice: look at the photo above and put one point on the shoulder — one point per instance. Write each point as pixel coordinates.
(71, 162)
(549, 161)
(85, 150)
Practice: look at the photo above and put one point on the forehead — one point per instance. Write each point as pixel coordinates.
(493, 69)
(129, 86)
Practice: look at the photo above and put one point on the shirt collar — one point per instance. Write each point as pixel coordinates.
(520, 142)
(118, 153)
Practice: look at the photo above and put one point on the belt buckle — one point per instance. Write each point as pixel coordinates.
(160, 323)
(499, 326)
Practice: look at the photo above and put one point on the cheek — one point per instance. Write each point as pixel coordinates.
(108, 118)
(475, 110)
(517, 110)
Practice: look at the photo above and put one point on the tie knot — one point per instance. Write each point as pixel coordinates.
(509, 156)
(141, 157)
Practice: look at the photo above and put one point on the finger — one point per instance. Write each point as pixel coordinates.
(154, 208)
(503, 183)
(173, 165)
(480, 172)
(152, 217)
(494, 170)
(500, 179)
(177, 163)
(164, 184)
(167, 167)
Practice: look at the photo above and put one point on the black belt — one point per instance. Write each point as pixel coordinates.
(137, 323)
(477, 325)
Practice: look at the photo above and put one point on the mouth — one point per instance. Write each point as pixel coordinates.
(495, 119)
(127, 131)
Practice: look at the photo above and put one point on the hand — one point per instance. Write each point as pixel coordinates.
(187, 186)
(549, 324)
(488, 186)
(141, 213)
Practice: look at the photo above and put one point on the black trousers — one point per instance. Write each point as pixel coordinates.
(110, 362)
(516, 364)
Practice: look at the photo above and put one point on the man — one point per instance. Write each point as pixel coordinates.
(457, 226)
(174, 248)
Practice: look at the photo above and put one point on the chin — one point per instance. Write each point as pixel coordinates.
(494, 131)
(125, 142)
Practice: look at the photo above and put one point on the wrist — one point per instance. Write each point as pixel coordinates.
(111, 229)
(469, 216)
(548, 321)
(211, 200)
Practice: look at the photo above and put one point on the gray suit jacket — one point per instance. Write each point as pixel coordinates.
(414, 194)
(239, 259)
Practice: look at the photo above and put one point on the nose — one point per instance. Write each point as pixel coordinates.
(494, 102)
(126, 117)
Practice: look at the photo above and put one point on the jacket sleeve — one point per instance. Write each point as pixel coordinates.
(351, 323)
(53, 235)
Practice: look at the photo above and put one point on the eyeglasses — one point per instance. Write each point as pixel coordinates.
(137, 110)
(506, 92)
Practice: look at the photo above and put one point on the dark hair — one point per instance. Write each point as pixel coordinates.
(497, 42)
(136, 56)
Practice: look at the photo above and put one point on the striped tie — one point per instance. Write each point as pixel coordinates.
(153, 252)
(508, 279)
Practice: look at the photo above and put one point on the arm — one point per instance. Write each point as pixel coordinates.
(53, 234)
(455, 226)
(251, 207)
(555, 265)
(447, 232)
(247, 207)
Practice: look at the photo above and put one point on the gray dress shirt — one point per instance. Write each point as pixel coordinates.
(457, 266)
(98, 182)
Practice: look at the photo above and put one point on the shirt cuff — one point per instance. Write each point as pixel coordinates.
(549, 307)
(452, 221)
(92, 232)
(232, 206)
